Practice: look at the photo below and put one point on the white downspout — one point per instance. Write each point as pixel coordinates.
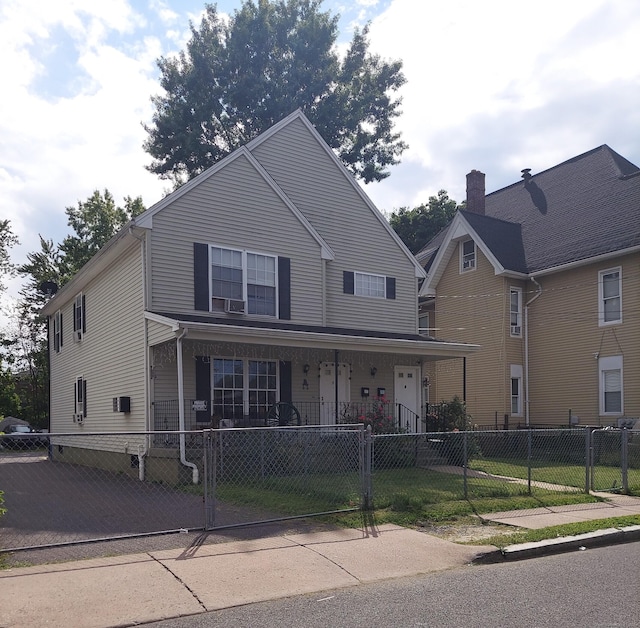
(181, 425)
(526, 349)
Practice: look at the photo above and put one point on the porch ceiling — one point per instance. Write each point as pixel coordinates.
(315, 338)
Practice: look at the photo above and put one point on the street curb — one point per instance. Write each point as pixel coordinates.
(598, 538)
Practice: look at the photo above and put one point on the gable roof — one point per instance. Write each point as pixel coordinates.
(583, 208)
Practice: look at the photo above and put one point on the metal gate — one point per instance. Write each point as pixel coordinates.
(274, 474)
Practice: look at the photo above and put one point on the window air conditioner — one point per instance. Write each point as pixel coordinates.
(516, 330)
(77, 335)
(78, 418)
(234, 306)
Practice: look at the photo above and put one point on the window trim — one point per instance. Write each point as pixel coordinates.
(473, 261)
(605, 365)
(518, 291)
(79, 317)
(80, 395)
(601, 298)
(245, 283)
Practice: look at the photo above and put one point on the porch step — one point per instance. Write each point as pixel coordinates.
(428, 456)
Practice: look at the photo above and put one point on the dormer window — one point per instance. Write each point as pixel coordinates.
(467, 256)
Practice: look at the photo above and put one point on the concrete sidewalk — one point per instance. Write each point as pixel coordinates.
(125, 590)
(139, 588)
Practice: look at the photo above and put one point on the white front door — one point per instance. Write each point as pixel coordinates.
(406, 394)
(328, 391)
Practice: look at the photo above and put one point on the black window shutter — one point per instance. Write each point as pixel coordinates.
(284, 288)
(84, 397)
(391, 287)
(286, 388)
(347, 282)
(84, 315)
(201, 276)
(203, 387)
(61, 329)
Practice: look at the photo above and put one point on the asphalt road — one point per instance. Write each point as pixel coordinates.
(595, 588)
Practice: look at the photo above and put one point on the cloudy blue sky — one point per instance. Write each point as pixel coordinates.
(494, 85)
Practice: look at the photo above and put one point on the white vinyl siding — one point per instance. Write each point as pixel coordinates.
(610, 296)
(318, 187)
(113, 360)
(611, 385)
(233, 209)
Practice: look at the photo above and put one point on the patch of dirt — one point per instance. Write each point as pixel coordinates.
(466, 531)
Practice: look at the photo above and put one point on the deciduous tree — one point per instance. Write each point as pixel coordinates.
(237, 78)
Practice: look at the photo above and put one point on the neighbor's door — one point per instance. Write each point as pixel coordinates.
(406, 394)
(328, 391)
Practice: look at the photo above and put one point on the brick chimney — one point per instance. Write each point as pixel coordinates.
(475, 192)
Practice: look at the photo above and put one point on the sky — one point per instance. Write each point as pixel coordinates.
(495, 85)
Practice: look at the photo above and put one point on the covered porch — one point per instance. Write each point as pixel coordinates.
(211, 375)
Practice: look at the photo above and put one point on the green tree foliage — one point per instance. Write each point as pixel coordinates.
(7, 240)
(239, 77)
(419, 225)
(94, 221)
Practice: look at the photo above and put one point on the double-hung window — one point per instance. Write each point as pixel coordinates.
(57, 331)
(610, 296)
(516, 390)
(367, 285)
(611, 390)
(242, 387)
(80, 393)
(240, 277)
(467, 255)
(515, 311)
(79, 317)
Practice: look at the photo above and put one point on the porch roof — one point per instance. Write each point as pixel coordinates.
(309, 336)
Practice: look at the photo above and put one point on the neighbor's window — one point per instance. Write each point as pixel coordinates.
(423, 323)
(244, 277)
(515, 311)
(610, 296)
(79, 325)
(81, 396)
(611, 393)
(516, 389)
(467, 255)
(369, 285)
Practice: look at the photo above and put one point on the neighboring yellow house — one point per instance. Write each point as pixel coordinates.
(545, 276)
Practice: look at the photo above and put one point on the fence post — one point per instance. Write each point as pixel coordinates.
(587, 458)
(465, 462)
(209, 483)
(624, 460)
(367, 459)
(529, 460)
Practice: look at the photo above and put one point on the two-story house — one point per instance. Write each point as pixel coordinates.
(270, 278)
(545, 275)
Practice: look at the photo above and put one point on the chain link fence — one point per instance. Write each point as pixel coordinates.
(73, 489)
(448, 466)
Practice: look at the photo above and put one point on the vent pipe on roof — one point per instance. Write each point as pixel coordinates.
(475, 192)
(526, 174)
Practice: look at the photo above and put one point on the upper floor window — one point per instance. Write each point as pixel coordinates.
(611, 397)
(243, 282)
(57, 331)
(467, 255)
(79, 317)
(610, 296)
(369, 285)
(515, 311)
